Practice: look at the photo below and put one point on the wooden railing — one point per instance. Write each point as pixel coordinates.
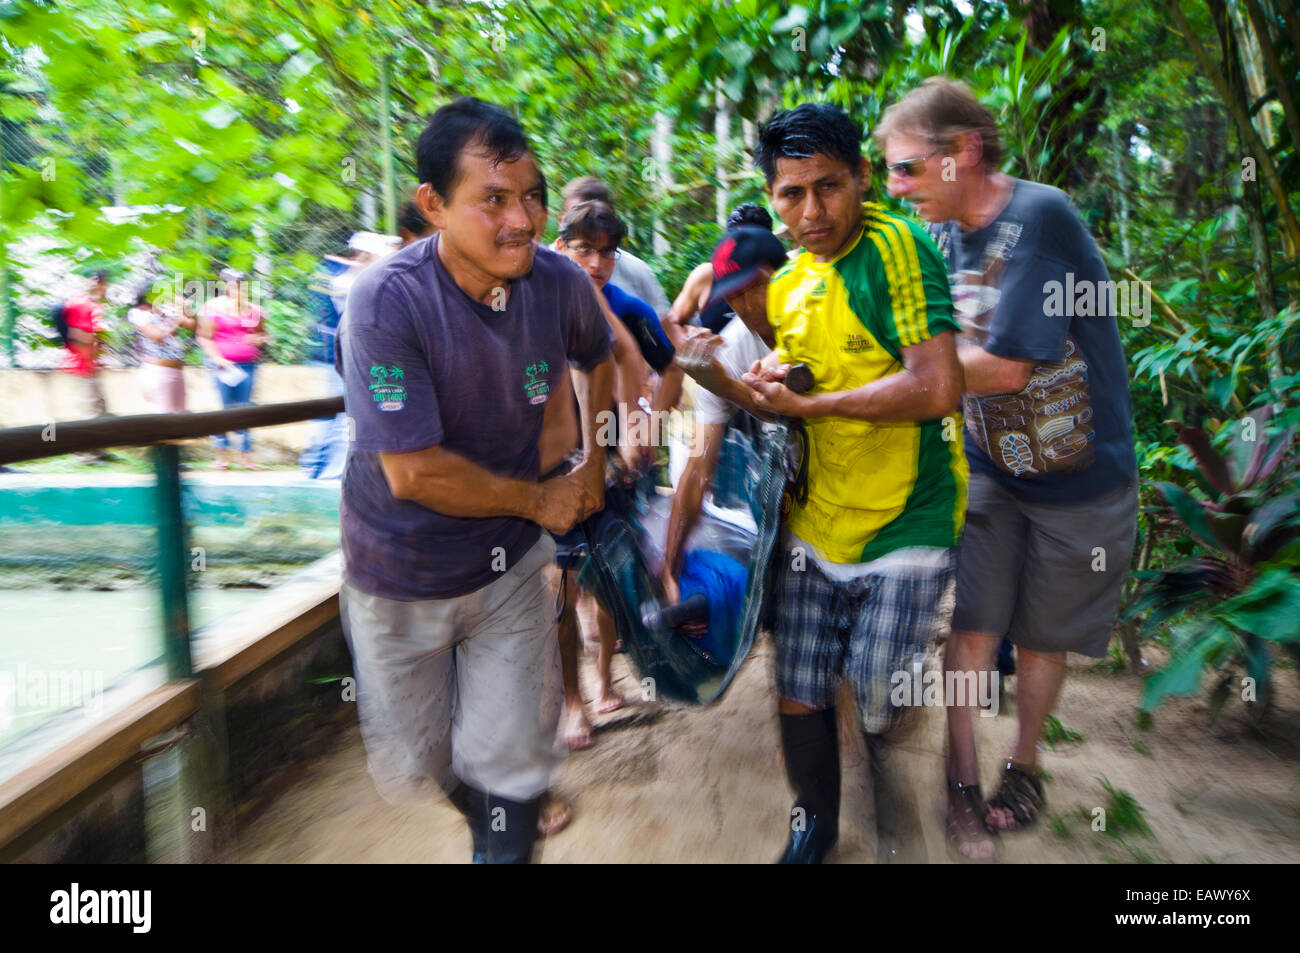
(77, 436)
(64, 775)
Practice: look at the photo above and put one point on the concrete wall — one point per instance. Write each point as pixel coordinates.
(36, 397)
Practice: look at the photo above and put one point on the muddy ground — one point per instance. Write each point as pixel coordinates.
(707, 786)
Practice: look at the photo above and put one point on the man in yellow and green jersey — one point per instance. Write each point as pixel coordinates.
(869, 551)
(873, 486)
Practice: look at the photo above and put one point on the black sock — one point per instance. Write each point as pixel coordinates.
(812, 762)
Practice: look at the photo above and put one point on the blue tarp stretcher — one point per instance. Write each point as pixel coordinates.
(726, 558)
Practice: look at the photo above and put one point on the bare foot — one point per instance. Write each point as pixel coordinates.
(610, 700)
(555, 816)
(967, 836)
(575, 728)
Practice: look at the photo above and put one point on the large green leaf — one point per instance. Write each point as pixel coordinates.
(1269, 609)
(1275, 513)
(1247, 445)
(1191, 513)
(1195, 645)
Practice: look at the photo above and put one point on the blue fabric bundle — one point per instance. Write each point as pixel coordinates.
(721, 580)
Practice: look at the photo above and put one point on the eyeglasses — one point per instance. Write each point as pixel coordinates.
(910, 168)
(583, 250)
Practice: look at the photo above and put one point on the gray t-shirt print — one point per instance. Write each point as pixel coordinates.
(425, 365)
(1067, 435)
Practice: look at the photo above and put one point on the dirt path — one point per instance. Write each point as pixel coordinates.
(707, 786)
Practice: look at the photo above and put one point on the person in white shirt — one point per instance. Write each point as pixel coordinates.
(162, 355)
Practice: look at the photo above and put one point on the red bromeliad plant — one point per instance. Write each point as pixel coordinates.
(1241, 592)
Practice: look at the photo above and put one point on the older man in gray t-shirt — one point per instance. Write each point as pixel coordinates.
(1052, 503)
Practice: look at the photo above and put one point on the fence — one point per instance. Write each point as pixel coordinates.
(194, 679)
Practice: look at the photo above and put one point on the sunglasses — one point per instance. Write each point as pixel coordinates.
(910, 168)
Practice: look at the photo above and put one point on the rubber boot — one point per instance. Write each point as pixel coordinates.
(472, 805)
(812, 764)
(899, 838)
(504, 830)
(459, 798)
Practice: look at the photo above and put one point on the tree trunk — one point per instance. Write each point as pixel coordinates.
(721, 153)
(1241, 54)
(1118, 153)
(1266, 52)
(1254, 146)
(661, 151)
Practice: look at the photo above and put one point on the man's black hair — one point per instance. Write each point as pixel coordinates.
(805, 131)
(466, 121)
(591, 220)
(413, 220)
(100, 276)
(749, 214)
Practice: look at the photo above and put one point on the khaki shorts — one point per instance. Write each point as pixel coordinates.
(1047, 576)
(466, 688)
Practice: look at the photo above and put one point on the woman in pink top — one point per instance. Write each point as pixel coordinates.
(231, 332)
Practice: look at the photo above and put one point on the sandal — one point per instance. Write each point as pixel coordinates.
(1021, 793)
(969, 826)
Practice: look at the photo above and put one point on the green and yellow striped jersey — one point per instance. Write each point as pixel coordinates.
(872, 487)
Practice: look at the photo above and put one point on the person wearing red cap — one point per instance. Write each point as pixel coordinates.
(741, 266)
(696, 296)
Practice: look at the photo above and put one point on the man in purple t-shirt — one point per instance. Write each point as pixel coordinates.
(449, 352)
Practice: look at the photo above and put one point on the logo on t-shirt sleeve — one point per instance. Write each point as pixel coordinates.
(387, 386)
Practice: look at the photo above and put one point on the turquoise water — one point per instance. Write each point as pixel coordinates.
(60, 648)
(63, 641)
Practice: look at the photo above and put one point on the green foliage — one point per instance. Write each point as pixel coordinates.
(250, 134)
(1055, 733)
(1124, 813)
(289, 327)
(1238, 588)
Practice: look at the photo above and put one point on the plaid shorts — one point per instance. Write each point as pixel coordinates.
(866, 629)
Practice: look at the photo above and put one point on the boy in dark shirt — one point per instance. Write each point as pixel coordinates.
(590, 233)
